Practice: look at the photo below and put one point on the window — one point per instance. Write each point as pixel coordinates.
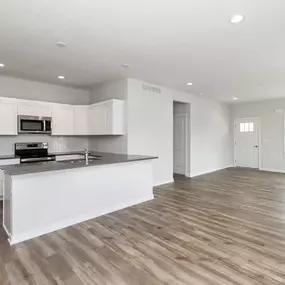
(251, 127)
(246, 127)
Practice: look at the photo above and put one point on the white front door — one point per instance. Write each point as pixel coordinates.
(247, 143)
(179, 144)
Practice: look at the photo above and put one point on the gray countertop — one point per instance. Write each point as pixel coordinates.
(104, 158)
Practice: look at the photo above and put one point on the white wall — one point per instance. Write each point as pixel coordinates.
(33, 90)
(272, 130)
(102, 92)
(150, 130)
(109, 90)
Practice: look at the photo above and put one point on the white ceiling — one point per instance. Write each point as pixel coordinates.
(166, 42)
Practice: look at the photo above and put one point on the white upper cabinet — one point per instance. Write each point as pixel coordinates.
(103, 118)
(31, 108)
(97, 119)
(116, 117)
(62, 120)
(8, 118)
(107, 118)
(81, 120)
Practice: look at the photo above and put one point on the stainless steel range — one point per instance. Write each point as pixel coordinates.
(33, 152)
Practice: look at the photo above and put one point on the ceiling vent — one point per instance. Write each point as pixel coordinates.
(150, 88)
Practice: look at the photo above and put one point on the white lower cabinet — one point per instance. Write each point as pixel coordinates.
(63, 120)
(6, 162)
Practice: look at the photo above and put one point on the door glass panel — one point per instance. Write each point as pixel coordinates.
(251, 127)
(241, 127)
(246, 127)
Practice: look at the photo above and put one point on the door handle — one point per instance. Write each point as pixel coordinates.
(255, 146)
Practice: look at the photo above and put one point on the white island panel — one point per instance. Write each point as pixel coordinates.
(44, 202)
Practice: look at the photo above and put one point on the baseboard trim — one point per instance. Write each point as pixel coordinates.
(163, 183)
(272, 170)
(193, 175)
(5, 229)
(73, 221)
(210, 171)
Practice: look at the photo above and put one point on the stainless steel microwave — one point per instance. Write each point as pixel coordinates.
(34, 125)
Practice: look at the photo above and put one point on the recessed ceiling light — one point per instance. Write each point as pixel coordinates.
(235, 19)
(235, 98)
(2, 65)
(60, 77)
(125, 65)
(189, 84)
(61, 44)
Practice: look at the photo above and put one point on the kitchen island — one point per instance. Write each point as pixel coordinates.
(43, 197)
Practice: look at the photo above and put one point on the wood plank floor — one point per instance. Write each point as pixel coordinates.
(222, 228)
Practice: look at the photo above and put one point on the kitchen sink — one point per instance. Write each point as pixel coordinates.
(80, 161)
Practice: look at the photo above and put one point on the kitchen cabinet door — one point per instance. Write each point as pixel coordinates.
(102, 119)
(8, 118)
(107, 118)
(115, 117)
(97, 119)
(81, 124)
(34, 109)
(62, 120)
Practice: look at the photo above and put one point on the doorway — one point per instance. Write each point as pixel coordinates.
(181, 138)
(246, 143)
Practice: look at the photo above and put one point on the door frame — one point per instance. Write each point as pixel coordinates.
(259, 139)
(188, 135)
(186, 142)
(283, 136)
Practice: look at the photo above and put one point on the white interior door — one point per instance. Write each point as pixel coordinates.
(247, 143)
(179, 133)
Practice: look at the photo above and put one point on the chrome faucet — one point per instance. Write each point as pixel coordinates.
(86, 153)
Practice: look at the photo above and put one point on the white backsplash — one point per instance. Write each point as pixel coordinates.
(56, 144)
